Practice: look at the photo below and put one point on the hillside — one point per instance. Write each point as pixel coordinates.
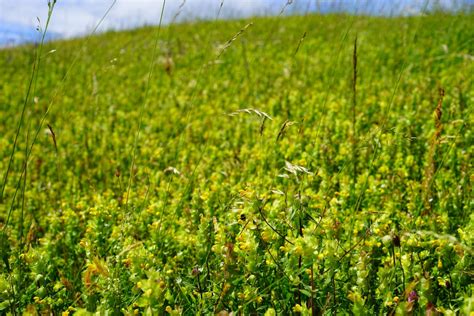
(243, 166)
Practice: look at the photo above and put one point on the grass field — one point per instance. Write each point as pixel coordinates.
(308, 164)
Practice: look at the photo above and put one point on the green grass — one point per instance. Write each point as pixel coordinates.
(259, 183)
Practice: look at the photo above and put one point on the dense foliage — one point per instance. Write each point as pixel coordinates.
(261, 166)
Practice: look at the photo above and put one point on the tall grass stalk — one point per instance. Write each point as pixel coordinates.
(144, 104)
(431, 166)
(354, 105)
(189, 108)
(33, 78)
(49, 107)
(23, 201)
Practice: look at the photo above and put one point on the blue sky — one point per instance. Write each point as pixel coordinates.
(18, 18)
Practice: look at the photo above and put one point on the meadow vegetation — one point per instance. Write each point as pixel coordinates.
(306, 164)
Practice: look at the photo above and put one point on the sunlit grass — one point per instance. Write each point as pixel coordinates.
(271, 165)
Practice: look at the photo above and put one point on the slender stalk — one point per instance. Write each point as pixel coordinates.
(143, 107)
(354, 104)
(313, 307)
(432, 154)
(20, 230)
(45, 114)
(33, 79)
(300, 233)
(334, 293)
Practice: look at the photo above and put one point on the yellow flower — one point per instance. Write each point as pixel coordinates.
(270, 312)
(297, 308)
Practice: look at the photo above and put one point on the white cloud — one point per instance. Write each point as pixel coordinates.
(76, 17)
(73, 17)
